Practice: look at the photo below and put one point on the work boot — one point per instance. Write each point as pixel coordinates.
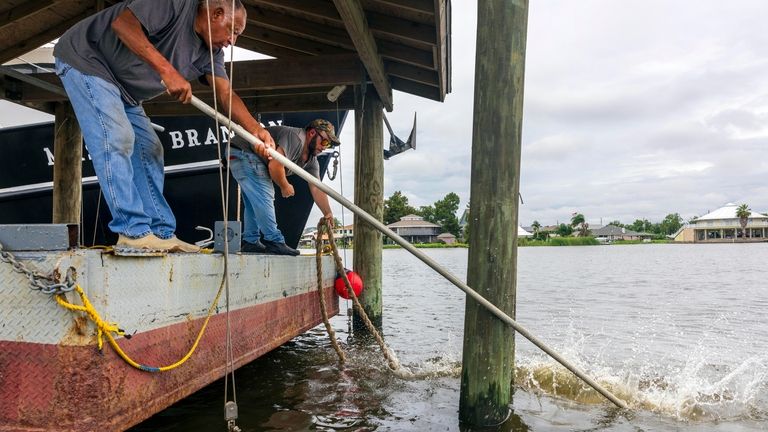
(183, 246)
(275, 248)
(249, 247)
(149, 242)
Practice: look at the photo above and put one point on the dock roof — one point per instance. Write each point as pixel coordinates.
(400, 45)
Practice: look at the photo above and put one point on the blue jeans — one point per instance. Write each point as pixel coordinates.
(126, 152)
(252, 174)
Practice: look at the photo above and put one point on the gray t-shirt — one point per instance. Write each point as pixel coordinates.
(93, 48)
(291, 140)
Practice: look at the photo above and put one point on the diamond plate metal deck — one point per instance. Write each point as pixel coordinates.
(147, 293)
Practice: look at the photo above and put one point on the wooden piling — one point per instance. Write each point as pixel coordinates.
(369, 196)
(68, 166)
(489, 345)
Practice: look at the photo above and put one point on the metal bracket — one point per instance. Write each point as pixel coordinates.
(233, 235)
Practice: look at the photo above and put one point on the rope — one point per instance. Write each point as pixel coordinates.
(323, 309)
(107, 329)
(389, 355)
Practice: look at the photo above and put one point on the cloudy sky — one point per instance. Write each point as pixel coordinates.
(633, 109)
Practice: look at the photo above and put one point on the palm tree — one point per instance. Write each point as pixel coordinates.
(743, 212)
(578, 221)
(536, 227)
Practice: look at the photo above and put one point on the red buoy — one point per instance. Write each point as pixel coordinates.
(354, 280)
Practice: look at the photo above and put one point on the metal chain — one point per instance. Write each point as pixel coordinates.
(38, 281)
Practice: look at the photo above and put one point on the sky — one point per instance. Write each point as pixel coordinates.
(632, 110)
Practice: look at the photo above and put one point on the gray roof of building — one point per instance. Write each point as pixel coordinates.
(613, 230)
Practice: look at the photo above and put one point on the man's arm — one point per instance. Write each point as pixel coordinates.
(321, 199)
(241, 115)
(277, 174)
(128, 28)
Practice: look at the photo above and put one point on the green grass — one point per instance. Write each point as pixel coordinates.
(429, 245)
(560, 241)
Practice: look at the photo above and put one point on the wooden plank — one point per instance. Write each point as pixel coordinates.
(67, 167)
(488, 361)
(23, 10)
(412, 73)
(288, 73)
(293, 43)
(263, 18)
(414, 88)
(46, 35)
(443, 48)
(323, 23)
(357, 26)
(266, 48)
(406, 32)
(276, 103)
(369, 196)
(418, 11)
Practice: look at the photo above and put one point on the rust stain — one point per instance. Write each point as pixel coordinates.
(76, 388)
(78, 333)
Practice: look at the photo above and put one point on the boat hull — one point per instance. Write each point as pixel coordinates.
(52, 377)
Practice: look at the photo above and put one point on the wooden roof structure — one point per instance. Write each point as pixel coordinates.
(316, 44)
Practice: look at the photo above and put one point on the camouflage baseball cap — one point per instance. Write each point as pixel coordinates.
(327, 127)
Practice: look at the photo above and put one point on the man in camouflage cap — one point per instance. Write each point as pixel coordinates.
(255, 176)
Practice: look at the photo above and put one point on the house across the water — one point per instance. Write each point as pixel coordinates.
(415, 229)
(722, 225)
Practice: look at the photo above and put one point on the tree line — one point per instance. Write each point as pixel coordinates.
(579, 226)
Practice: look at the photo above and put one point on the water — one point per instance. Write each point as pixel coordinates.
(678, 331)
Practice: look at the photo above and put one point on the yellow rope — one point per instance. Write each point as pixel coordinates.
(108, 328)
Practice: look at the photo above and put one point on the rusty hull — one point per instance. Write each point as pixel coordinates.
(75, 388)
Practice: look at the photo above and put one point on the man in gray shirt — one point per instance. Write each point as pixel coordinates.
(255, 175)
(133, 51)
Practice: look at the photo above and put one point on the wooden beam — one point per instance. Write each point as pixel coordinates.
(267, 103)
(412, 73)
(443, 48)
(301, 46)
(254, 75)
(369, 196)
(41, 38)
(357, 26)
(24, 10)
(419, 11)
(488, 359)
(321, 13)
(67, 167)
(262, 19)
(414, 88)
(266, 48)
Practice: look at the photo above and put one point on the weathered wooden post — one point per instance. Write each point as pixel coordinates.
(369, 196)
(489, 345)
(67, 167)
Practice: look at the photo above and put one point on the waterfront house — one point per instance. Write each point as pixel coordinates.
(446, 238)
(722, 225)
(415, 229)
(611, 233)
(521, 232)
